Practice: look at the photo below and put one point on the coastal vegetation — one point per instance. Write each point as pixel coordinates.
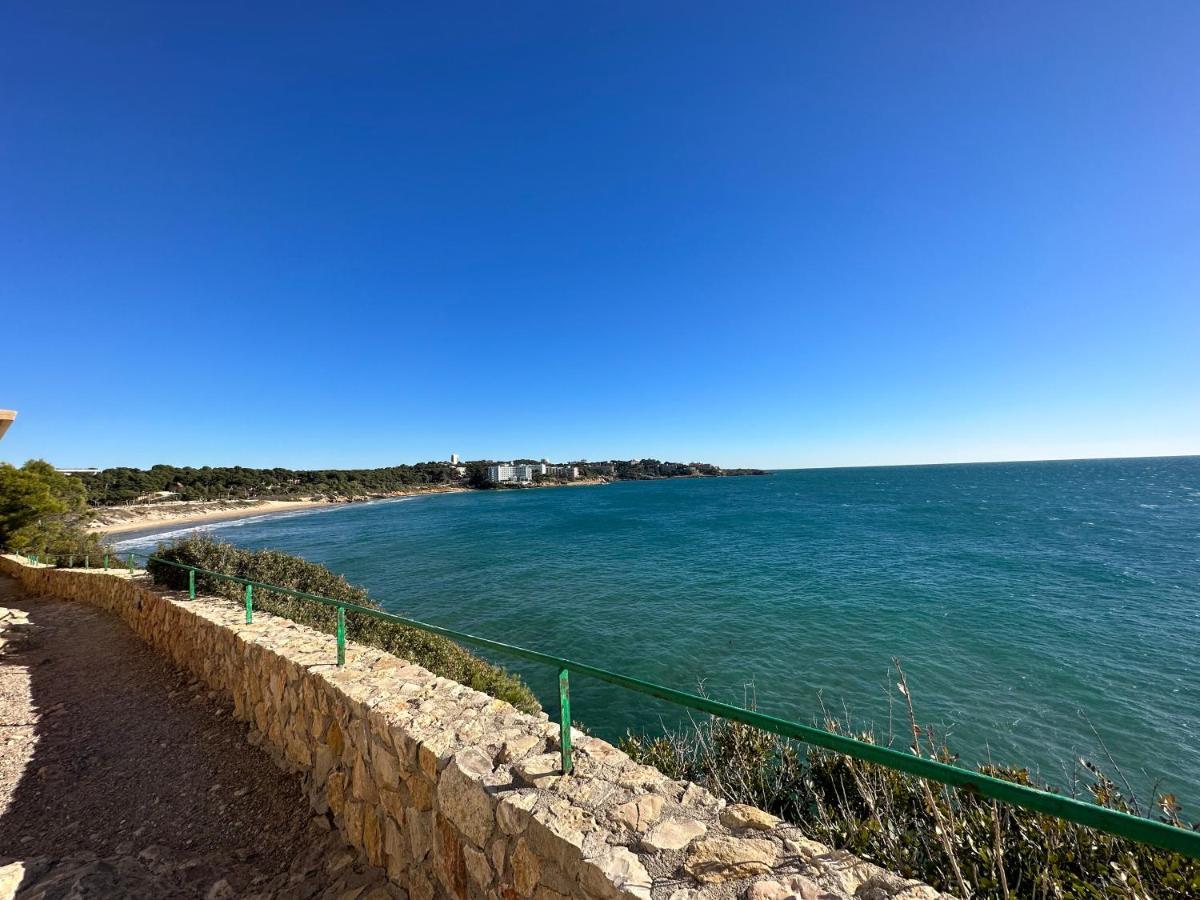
(646, 469)
(438, 654)
(111, 487)
(955, 840)
(43, 510)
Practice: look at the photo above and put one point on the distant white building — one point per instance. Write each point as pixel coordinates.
(524, 472)
(454, 459)
(508, 472)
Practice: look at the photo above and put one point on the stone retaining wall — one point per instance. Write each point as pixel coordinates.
(457, 794)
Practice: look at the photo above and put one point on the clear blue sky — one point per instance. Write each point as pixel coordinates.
(766, 234)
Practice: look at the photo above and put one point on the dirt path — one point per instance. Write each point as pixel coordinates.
(121, 776)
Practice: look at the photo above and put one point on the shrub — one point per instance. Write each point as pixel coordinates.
(438, 654)
(954, 840)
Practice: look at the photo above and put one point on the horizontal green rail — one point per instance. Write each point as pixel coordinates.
(1110, 821)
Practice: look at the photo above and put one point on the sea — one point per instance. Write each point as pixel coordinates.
(1045, 614)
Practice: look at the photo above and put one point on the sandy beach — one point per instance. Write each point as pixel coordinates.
(118, 519)
(114, 520)
(137, 517)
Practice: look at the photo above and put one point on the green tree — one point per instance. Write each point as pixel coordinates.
(477, 475)
(42, 510)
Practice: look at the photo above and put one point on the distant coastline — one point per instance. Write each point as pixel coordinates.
(135, 499)
(114, 520)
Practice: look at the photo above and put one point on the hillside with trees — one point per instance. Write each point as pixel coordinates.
(114, 487)
(111, 487)
(645, 469)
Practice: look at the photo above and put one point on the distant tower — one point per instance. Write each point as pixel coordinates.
(454, 459)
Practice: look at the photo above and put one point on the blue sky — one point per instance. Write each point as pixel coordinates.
(764, 234)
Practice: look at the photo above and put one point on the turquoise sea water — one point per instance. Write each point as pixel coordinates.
(1029, 603)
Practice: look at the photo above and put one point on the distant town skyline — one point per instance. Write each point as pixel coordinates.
(785, 235)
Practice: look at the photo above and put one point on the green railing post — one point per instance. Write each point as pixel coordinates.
(71, 561)
(341, 636)
(249, 604)
(106, 562)
(191, 584)
(564, 706)
(86, 561)
(130, 563)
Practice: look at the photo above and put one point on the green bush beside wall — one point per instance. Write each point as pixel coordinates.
(438, 654)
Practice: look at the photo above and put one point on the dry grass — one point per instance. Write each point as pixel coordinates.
(955, 841)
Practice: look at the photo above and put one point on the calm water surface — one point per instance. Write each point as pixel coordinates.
(1033, 605)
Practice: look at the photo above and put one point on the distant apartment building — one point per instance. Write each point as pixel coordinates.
(524, 472)
(509, 473)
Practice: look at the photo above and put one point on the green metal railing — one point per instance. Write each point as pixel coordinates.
(101, 560)
(1110, 821)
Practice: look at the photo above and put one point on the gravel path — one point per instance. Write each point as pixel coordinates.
(120, 775)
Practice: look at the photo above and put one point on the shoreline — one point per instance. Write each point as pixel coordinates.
(137, 522)
(196, 512)
(116, 520)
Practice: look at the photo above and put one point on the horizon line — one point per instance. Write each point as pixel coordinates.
(786, 468)
(978, 462)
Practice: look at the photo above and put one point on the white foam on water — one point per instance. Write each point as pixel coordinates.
(151, 540)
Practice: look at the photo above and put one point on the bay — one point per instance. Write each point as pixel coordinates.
(1042, 611)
